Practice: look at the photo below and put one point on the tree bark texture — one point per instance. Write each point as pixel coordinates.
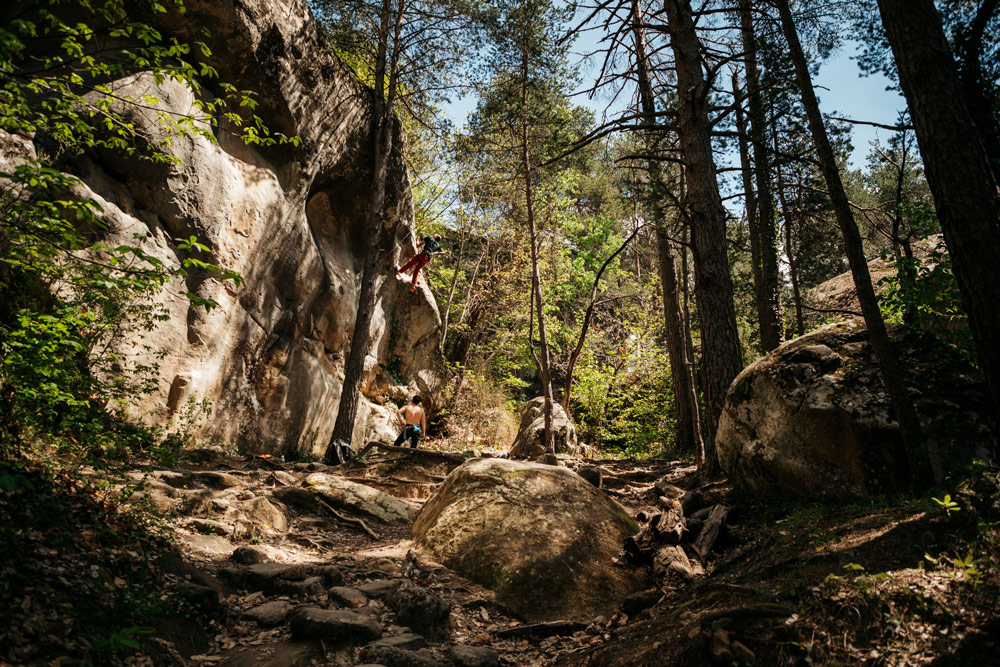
(970, 49)
(750, 197)
(681, 364)
(542, 356)
(722, 358)
(793, 269)
(382, 130)
(892, 375)
(957, 169)
(768, 293)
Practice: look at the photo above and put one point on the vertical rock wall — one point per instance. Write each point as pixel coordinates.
(292, 221)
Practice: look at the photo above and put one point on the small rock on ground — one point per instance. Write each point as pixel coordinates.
(419, 609)
(249, 555)
(270, 614)
(390, 656)
(378, 588)
(349, 597)
(638, 602)
(408, 641)
(474, 656)
(336, 627)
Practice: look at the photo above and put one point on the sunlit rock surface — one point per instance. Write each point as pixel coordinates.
(291, 221)
(540, 536)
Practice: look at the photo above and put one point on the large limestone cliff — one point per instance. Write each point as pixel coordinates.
(291, 221)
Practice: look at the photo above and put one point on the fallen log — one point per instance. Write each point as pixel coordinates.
(670, 527)
(711, 530)
(547, 629)
(411, 451)
(671, 561)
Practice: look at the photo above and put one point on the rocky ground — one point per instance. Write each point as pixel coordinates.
(279, 563)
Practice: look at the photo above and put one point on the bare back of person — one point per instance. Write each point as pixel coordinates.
(414, 422)
(413, 414)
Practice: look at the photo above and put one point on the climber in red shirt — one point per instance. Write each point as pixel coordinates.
(431, 247)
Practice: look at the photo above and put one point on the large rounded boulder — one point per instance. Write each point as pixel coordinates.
(540, 536)
(813, 417)
(530, 440)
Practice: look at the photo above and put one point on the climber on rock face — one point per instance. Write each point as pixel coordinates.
(431, 247)
(414, 423)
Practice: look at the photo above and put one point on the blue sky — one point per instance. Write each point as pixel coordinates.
(842, 90)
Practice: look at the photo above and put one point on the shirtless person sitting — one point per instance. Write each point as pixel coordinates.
(414, 423)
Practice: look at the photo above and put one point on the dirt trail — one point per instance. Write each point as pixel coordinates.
(319, 560)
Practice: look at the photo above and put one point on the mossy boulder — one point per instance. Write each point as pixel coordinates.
(540, 536)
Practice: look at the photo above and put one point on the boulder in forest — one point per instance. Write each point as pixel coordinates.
(530, 439)
(813, 418)
(358, 498)
(541, 537)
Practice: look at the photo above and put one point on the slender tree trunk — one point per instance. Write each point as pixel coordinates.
(686, 307)
(382, 131)
(722, 358)
(793, 269)
(957, 168)
(906, 273)
(769, 292)
(750, 195)
(541, 358)
(451, 289)
(585, 327)
(892, 376)
(681, 366)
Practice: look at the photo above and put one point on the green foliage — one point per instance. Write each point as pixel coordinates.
(947, 504)
(69, 295)
(932, 301)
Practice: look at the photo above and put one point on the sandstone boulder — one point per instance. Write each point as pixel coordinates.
(289, 220)
(813, 418)
(530, 439)
(540, 536)
(358, 498)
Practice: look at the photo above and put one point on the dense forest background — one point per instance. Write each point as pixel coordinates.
(626, 265)
(633, 311)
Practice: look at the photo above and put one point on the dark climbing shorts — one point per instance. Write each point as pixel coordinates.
(411, 433)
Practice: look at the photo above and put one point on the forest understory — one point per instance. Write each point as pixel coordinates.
(698, 380)
(88, 580)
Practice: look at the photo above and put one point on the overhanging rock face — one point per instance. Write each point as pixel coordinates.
(292, 221)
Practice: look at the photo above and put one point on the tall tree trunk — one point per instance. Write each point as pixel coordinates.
(541, 357)
(957, 168)
(892, 375)
(686, 310)
(722, 358)
(451, 289)
(750, 196)
(970, 51)
(768, 292)
(906, 271)
(382, 131)
(681, 365)
(793, 269)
